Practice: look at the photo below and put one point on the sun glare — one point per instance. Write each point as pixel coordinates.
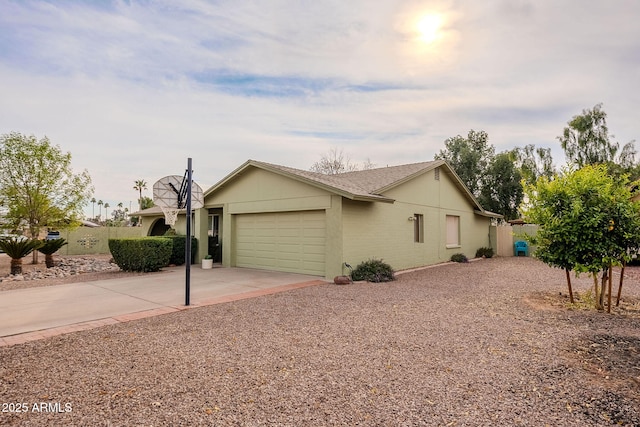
(429, 28)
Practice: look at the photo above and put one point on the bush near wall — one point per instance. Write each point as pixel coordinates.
(373, 270)
(178, 246)
(143, 254)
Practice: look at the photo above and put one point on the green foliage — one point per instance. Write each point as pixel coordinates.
(459, 258)
(588, 221)
(178, 245)
(37, 183)
(484, 252)
(493, 179)
(469, 157)
(585, 141)
(141, 254)
(373, 270)
(533, 162)
(501, 189)
(50, 247)
(18, 247)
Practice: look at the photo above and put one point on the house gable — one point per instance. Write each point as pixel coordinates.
(259, 190)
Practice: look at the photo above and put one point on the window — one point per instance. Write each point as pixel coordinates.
(418, 228)
(453, 231)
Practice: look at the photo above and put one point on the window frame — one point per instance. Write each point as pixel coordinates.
(418, 228)
(452, 226)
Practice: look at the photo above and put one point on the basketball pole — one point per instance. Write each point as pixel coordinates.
(187, 249)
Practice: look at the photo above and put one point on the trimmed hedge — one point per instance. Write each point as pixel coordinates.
(141, 254)
(373, 270)
(178, 247)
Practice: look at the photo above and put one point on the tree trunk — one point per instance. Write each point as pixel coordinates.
(597, 293)
(603, 287)
(624, 263)
(609, 293)
(569, 285)
(16, 266)
(48, 260)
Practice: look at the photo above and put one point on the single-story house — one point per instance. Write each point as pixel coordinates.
(275, 217)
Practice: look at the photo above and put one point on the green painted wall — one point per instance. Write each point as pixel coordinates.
(256, 191)
(357, 231)
(380, 230)
(86, 240)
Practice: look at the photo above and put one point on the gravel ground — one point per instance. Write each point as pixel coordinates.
(478, 344)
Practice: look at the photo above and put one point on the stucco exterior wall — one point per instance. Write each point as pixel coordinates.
(260, 191)
(381, 230)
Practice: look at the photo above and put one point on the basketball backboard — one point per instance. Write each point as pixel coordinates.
(170, 192)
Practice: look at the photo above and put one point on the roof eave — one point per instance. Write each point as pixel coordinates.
(488, 214)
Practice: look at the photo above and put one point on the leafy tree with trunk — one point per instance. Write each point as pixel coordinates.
(501, 190)
(586, 141)
(493, 179)
(469, 157)
(38, 185)
(533, 162)
(588, 224)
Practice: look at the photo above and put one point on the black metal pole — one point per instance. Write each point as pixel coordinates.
(187, 249)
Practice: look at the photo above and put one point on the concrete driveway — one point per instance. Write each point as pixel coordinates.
(34, 313)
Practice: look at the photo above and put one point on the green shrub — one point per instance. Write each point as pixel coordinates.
(373, 270)
(177, 251)
(484, 252)
(459, 258)
(141, 254)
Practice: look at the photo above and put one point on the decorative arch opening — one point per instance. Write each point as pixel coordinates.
(159, 228)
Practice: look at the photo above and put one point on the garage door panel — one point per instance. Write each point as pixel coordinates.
(285, 241)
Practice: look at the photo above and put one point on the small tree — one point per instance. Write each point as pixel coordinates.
(38, 186)
(18, 248)
(588, 223)
(48, 248)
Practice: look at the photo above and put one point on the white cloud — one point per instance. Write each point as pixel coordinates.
(134, 88)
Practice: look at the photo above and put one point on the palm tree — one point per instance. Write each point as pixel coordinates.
(49, 247)
(93, 208)
(140, 185)
(100, 203)
(18, 248)
(106, 212)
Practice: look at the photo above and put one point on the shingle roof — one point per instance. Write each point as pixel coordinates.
(367, 185)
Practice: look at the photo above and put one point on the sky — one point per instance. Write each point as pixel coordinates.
(132, 89)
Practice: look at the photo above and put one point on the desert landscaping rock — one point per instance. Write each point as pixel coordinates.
(65, 267)
(480, 344)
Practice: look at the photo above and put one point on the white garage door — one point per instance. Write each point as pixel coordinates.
(283, 241)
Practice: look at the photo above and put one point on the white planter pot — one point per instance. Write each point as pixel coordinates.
(207, 264)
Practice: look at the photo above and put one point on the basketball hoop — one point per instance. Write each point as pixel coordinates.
(170, 215)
